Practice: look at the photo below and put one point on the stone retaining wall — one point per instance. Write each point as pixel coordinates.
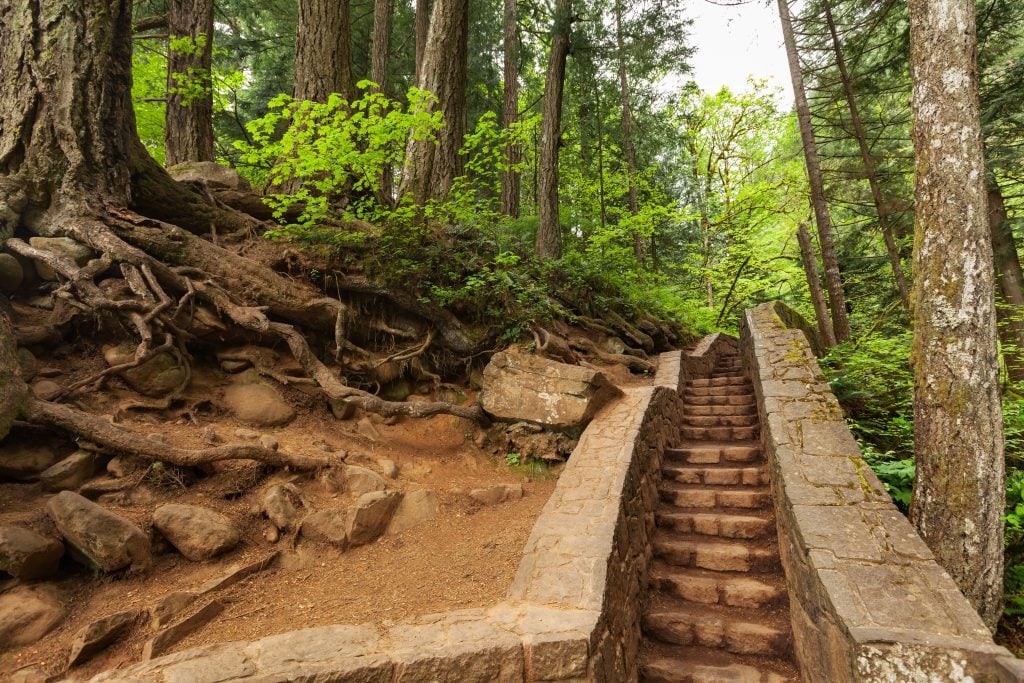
(571, 614)
(868, 601)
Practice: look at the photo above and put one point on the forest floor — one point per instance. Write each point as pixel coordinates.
(465, 557)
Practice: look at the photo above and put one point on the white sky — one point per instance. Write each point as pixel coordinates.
(734, 42)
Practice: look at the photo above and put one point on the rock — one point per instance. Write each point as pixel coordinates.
(209, 435)
(174, 633)
(327, 526)
(23, 461)
(50, 372)
(27, 363)
(69, 473)
(197, 532)
(157, 377)
(388, 468)
(27, 613)
(26, 555)
(210, 174)
(100, 487)
(121, 466)
(520, 386)
(499, 493)
(249, 434)
(613, 345)
(359, 480)
(103, 539)
(398, 390)
(45, 389)
(258, 403)
(415, 508)
(342, 409)
(43, 301)
(366, 428)
(100, 634)
(268, 442)
(11, 274)
(271, 534)
(166, 609)
(370, 515)
(234, 366)
(62, 246)
(237, 572)
(281, 505)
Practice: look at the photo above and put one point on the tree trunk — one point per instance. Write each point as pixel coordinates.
(814, 286)
(422, 21)
(833, 280)
(382, 13)
(549, 229)
(959, 492)
(431, 167)
(323, 50)
(510, 181)
(627, 131)
(881, 208)
(188, 134)
(1011, 284)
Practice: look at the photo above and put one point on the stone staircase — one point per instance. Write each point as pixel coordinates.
(717, 609)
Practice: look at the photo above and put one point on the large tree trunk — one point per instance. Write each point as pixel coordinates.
(814, 286)
(431, 167)
(959, 492)
(833, 280)
(382, 11)
(549, 229)
(1011, 284)
(881, 208)
(510, 181)
(422, 21)
(323, 50)
(188, 135)
(627, 131)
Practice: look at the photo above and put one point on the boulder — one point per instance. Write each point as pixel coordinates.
(197, 532)
(281, 505)
(327, 526)
(27, 613)
(24, 461)
(11, 274)
(45, 389)
(209, 173)
(370, 516)
(62, 246)
(99, 537)
(415, 508)
(522, 387)
(388, 468)
(158, 376)
(69, 473)
(27, 363)
(26, 555)
(359, 480)
(121, 466)
(499, 493)
(256, 402)
(100, 634)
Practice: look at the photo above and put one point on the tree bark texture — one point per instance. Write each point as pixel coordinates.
(431, 167)
(959, 493)
(869, 164)
(810, 263)
(188, 133)
(627, 131)
(381, 51)
(323, 50)
(510, 180)
(549, 229)
(422, 28)
(833, 279)
(1011, 285)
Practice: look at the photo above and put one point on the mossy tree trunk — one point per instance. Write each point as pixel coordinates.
(188, 134)
(959, 492)
(549, 228)
(1010, 308)
(810, 263)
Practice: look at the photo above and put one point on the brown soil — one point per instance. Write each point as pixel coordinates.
(466, 557)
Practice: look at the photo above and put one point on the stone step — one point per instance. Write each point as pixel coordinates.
(715, 476)
(717, 627)
(722, 410)
(715, 554)
(720, 420)
(716, 381)
(692, 667)
(712, 454)
(723, 390)
(688, 496)
(736, 400)
(720, 433)
(720, 524)
(719, 588)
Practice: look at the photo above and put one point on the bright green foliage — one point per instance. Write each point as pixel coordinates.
(149, 87)
(195, 83)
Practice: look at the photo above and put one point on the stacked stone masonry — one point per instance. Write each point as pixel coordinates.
(868, 601)
(572, 613)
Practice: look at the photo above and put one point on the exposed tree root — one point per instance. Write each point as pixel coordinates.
(632, 362)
